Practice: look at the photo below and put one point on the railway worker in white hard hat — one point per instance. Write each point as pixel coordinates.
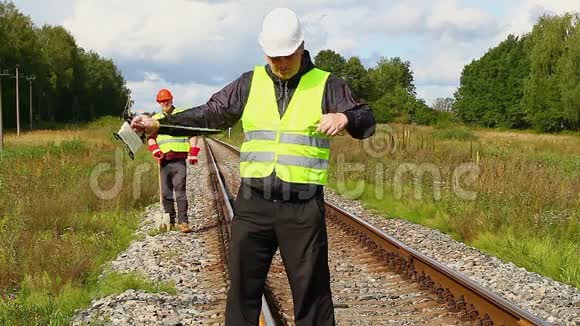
(290, 110)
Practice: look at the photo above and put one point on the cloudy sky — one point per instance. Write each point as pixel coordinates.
(196, 47)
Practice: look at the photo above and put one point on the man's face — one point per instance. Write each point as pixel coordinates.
(287, 66)
(166, 105)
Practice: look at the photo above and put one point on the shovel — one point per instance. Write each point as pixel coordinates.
(162, 221)
(133, 141)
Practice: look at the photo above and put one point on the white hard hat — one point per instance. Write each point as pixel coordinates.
(281, 33)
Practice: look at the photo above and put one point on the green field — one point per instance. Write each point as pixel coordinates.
(522, 205)
(70, 200)
(62, 217)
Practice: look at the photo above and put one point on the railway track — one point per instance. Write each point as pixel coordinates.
(376, 280)
(193, 262)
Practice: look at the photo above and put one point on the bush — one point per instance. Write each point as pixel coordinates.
(462, 133)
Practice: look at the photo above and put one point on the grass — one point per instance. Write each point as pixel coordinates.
(521, 203)
(462, 133)
(538, 253)
(236, 136)
(70, 201)
(34, 307)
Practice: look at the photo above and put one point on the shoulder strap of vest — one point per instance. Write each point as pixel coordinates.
(260, 70)
(316, 73)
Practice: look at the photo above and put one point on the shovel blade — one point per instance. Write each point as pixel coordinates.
(130, 138)
(163, 222)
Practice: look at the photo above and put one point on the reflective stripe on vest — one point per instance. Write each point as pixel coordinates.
(173, 140)
(305, 140)
(257, 156)
(260, 134)
(288, 138)
(289, 145)
(169, 143)
(308, 162)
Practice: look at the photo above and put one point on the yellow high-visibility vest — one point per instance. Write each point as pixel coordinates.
(171, 143)
(289, 145)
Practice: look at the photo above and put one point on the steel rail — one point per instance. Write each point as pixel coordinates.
(460, 294)
(227, 213)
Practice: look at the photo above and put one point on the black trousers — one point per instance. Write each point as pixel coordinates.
(259, 227)
(173, 180)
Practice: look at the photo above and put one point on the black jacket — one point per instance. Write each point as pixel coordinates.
(225, 108)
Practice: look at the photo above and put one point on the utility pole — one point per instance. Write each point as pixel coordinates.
(30, 79)
(2, 74)
(17, 76)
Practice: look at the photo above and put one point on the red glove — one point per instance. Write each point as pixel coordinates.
(156, 151)
(192, 157)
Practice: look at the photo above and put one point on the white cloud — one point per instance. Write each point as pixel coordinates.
(443, 65)
(402, 17)
(524, 16)
(449, 17)
(166, 32)
(178, 29)
(430, 92)
(185, 95)
(212, 42)
(52, 12)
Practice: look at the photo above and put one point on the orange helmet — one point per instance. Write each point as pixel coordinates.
(164, 95)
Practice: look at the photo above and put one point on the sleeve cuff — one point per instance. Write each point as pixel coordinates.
(154, 147)
(194, 151)
(349, 115)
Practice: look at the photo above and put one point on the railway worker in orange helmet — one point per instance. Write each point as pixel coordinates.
(172, 153)
(290, 110)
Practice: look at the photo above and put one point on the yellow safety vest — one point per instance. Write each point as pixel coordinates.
(290, 145)
(171, 143)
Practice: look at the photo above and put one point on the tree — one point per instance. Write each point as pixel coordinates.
(491, 88)
(60, 54)
(542, 95)
(104, 86)
(401, 105)
(390, 73)
(357, 77)
(330, 61)
(424, 115)
(75, 85)
(568, 69)
(532, 81)
(443, 104)
(388, 86)
(19, 46)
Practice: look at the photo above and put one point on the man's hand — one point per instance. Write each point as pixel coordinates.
(156, 151)
(192, 157)
(332, 123)
(158, 155)
(192, 160)
(146, 124)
